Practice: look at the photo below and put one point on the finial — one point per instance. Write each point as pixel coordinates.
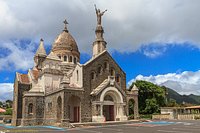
(65, 23)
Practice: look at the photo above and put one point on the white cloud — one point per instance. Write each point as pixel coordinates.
(128, 24)
(16, 56)
(186, 82)
(153, 51)
(6, 91)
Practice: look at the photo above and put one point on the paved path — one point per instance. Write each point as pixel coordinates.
(145, 127)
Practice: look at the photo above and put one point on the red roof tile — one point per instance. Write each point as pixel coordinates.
(2, 110)
(24, 78)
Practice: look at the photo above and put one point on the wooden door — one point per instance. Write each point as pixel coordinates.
(76, 113)
(111, 112)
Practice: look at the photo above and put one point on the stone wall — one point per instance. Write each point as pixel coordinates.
(188, 116)
(37, 114)
(50, 107)
(19, 89)
(161, 117)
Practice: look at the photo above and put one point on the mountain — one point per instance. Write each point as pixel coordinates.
(192, 99)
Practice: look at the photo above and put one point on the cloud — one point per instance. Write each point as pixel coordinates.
(153, 51)
(16, 55)
(186, 82)
(6, 91)
(128, 25)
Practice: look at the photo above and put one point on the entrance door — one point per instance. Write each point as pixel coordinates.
(76, 114)
(108, 112)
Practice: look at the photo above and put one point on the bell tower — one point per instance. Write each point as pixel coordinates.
(99, 45)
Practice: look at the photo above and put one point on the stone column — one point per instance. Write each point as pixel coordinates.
(101, 110)
(134, 91)
(136, 113)
(65, 108)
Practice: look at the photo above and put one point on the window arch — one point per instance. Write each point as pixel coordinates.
(75, 60)
(108, 98)
(105, 65)
(77, 75)
(100, 70)
(65, 58)
(118, 79)
(70, 59)
(59, 56)
(30, 108)
(112, 72)
(93, 75)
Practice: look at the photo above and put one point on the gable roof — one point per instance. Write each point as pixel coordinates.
(105, 84)
(53, 56)
(99, 56)
(23, 78)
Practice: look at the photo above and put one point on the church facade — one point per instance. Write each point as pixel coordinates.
(58, 90)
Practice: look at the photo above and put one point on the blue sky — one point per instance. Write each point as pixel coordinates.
(157, 41)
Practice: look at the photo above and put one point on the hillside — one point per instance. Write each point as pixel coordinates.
(192, 99)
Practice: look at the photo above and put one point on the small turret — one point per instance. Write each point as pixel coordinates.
(40, 55)
(41, 51)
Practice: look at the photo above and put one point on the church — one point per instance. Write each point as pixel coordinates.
(58, 90)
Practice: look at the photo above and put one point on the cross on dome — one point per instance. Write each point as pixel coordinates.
(65, 25)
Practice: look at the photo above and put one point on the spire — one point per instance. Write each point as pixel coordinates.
(41, 50)
(65, 25)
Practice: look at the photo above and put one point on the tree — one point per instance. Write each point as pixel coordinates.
(150, 97)
(171, 103)
(1, 104)
(9, 104)
(151, 106)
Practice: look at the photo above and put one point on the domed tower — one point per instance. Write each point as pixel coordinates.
(65, 47)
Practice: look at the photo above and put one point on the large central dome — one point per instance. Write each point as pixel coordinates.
(65, 47)
(65, 42)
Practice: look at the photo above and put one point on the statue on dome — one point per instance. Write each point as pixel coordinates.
(99, 15)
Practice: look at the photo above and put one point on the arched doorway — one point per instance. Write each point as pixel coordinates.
(131, 103)
(112, 106)
(59, 109)
(74, 109)
(108, 110)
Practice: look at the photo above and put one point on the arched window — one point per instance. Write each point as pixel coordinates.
(112, 72)
(70, 59)
(99, 70)
(65, 58)
(75, 61)
(108, 98)
(77, 76)
(105, 65)
(93, 75)
(30, 108)
(118, 79)
(59, 56)
(49, 106)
